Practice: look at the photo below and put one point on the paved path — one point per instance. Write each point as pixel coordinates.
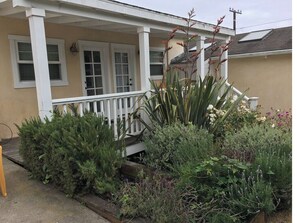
(29, 201)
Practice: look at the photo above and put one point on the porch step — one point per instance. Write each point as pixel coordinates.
(135, 148)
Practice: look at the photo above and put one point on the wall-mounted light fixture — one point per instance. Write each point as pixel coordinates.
(74, 48)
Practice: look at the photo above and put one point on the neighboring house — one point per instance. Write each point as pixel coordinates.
(260, 61)
(95, 54)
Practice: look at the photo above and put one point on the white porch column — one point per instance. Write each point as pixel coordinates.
(224, 65)
(200, 61)
(40, 60)
(144, 55)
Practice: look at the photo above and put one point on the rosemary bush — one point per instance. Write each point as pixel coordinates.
(78, 154)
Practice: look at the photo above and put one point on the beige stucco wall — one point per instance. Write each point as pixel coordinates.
(18, 104)
(267, 77)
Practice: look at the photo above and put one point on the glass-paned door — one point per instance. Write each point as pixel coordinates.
(93, 73)
(123, 73)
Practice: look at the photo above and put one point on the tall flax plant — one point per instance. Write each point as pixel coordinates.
(186, 101)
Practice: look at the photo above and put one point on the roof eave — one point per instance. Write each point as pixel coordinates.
(138, 14)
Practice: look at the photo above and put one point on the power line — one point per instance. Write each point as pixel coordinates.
(265, 23)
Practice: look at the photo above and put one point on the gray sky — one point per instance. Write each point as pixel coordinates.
(256, 14)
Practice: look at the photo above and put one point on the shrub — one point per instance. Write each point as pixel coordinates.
(280, 119)
(269, 149)
(78, 154)
(32, 147)
(238, 118)
(211, 176)
(249, 196)
(158, 199)
(277, 170)
(245, 143)
(222, 182)
(176, 144)
(153, 198)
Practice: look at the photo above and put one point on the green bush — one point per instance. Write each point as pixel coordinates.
(269, 149)
(32, 147)
(176, 144)
(277, 170)
(211, 176)
(252, 139)
(238, 118)
(249, 196)
(78, 154)
(153, 198)
(158, 199)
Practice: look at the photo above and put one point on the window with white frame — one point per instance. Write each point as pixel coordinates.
(156, 63)
(22, 62)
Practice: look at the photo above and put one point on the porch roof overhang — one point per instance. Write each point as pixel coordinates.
(107, 15)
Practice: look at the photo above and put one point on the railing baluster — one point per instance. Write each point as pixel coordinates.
(120, 108)
(88, 106)
(81, 110)
(102, 110)
(95, 107)
(126, 113)
(64, 109)
(134, 121)
(115, 121)
(108, 112)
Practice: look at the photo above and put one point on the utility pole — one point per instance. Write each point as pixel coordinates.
(234, 16)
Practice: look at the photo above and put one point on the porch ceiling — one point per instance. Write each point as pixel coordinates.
(105, 15)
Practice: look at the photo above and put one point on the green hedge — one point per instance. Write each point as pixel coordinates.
(78, 154)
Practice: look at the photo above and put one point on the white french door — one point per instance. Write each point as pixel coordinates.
(94, 67)
(123, 57)
(93, 72)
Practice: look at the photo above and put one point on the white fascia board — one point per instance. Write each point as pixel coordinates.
(258, 54)
(128, 14)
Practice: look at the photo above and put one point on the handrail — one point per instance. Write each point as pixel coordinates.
(62, 101)
(253, 101)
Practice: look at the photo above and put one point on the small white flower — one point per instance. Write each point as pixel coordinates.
(273, 125)
(210, 107)
(235, 97)
(212, 115)
(261, 119)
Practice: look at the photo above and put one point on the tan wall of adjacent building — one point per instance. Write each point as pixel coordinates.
(19, 104)
(267, 77)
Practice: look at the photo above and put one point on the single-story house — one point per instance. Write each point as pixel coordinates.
(96, 54)
(260, 61)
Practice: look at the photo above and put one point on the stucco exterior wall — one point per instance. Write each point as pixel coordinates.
(18, 104)
(267, 77)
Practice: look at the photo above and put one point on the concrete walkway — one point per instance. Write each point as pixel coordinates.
(29, 201)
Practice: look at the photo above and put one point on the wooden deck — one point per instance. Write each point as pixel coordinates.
(11, 150)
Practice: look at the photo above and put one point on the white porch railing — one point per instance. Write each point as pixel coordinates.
(252, 101)
(115, 108)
